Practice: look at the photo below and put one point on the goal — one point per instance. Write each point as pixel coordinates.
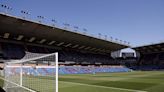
(34, 73)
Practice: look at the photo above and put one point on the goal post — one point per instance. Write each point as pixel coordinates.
(34, 73)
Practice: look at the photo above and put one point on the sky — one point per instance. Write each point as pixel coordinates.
(139, 22)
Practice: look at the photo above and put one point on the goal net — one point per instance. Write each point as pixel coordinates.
(34, 73)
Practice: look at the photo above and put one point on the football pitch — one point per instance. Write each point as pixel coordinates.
(150, 81)
(137, 81)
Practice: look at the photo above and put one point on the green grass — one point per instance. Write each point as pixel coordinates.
(149, 81)
(40, 84)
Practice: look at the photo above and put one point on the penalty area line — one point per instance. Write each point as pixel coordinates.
(124, 89)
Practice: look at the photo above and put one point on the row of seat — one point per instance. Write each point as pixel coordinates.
(67, 70)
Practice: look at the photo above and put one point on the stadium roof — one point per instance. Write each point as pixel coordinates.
(152, 48)
(19, 29)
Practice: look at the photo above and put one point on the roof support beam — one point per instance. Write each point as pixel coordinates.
(6, 35)
(158, 45)
(97, 49)
(42, 41)
(92, 49)
(20, 37)
(102, 50)
(108, 51)
(75, 46)
(52, 42)
(68, 45)
(81, 47)
(155, 49)
(60, 44)
(87, 48)
(32, 39)
(162, 49)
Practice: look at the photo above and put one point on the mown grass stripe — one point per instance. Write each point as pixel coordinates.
(130, 90)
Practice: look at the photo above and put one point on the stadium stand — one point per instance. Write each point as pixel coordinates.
(151, 57)
(74, 48)
(13, 51)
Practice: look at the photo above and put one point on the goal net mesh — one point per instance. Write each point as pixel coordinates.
(33, 73)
